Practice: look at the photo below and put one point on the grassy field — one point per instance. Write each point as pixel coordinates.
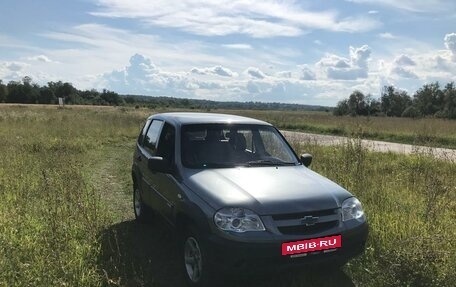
(66, 218)
(428, 131)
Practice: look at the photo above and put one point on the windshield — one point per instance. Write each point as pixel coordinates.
(227, 145)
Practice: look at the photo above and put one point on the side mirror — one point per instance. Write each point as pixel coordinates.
(306, 159)
(159, 164)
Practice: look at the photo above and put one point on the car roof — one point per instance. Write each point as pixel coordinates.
(184, 118)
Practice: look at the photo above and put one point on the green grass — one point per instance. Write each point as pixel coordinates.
(410, 202)
(66, 218)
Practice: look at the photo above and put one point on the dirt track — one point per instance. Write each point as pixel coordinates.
(379, 146)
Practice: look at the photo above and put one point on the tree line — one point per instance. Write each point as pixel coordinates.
(429, 100)
(28, 92)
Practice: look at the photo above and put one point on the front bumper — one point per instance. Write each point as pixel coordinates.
(233, 255)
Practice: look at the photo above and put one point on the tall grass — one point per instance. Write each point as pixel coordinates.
(50, 214)
(65, 187)
(410, 203)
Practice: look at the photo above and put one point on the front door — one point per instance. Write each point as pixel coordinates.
(166, 183)
(148, 180)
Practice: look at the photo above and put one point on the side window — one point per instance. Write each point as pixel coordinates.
(150, 141)
(143, 132)
(166, 143)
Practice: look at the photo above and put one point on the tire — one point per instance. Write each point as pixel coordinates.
(196, 261)
(143, 213)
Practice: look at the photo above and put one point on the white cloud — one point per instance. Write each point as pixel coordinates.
(356, 24)
(15, 66)
(217, 70)
(414, 5)
(88, 50)
(284, 74)
(401, 68)
(142, 76)
(427, 65)
(403, 72)
(208, 85)
(40, 58)
(404, 60)
(372, 12)
(421, 66)
(198, 71)
(252, 87)
(387, 35)
(443, 64)
(255, 73)
(261, 19)
(359, 56)
(222, 71)
(103, 47)
(356, 67)
(238, 46)
(12, 70)
(450, 44)
(307, 73)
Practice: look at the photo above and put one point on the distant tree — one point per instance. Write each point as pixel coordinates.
(46, 96)
(342, 108)
(31, 89)
(3, 92)
(411, 112)
(24, 92)
(429, 99)
(130, 100)
(64, 90)
(357, 104)
(67, 89)
(185, 103)
(27, 80)
(394, 102)
(374, 107)
(449, 101)
(111, 97)
(15, 93)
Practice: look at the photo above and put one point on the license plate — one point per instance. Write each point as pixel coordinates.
(310, 245)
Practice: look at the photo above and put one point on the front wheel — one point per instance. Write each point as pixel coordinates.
(141, 210)
(196, 260)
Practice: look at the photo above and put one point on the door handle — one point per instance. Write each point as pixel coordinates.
(139, 158)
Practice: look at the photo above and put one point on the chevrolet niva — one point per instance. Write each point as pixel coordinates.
(239, 197)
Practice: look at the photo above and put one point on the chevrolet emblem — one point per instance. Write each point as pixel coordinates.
(309, 220)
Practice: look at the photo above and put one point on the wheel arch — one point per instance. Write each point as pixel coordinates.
(192, 216)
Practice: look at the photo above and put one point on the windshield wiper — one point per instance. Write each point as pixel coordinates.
(215, 165)
(268, 162)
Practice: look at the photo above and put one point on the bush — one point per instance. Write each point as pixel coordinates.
(411, 112)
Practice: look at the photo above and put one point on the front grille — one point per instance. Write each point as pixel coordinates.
(293, 223)
(308, 230)
(317, 213)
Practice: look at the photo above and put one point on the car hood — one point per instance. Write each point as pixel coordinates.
(266, 190)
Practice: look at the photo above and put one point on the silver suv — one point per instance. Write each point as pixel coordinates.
(239, 196)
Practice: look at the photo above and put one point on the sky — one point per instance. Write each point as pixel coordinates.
(307, 52)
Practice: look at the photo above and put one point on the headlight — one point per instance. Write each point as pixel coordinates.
(352, 209)
(238, 220)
